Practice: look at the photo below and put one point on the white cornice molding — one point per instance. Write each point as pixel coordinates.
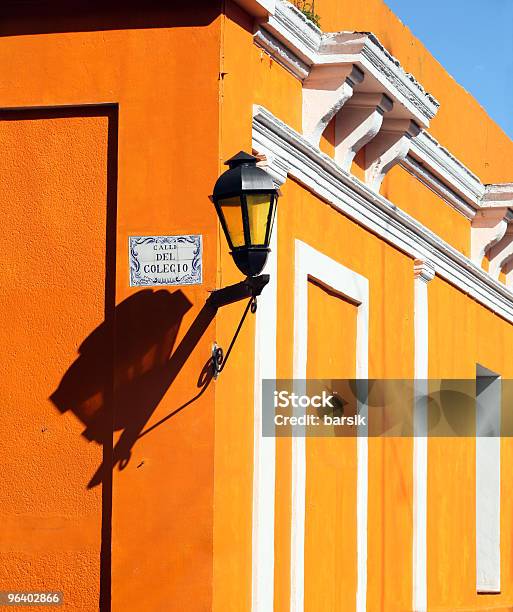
(424, 270)
(347, 194)
(429, 180)
(365, 50)
(426, 150)
(273, 166)
(289, 26)
(305, 40)
(281, 54)
(499, 194)
(296, 43)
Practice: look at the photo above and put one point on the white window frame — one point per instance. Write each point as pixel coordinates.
(311, 263)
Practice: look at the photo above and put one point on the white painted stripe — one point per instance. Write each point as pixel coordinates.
(362, 509)
(420, 455)
(488, 482)
(297, 569)
(311, 263)
(264, 448)
(424, 272)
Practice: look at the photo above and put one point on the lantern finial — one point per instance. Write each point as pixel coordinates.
(241, 159)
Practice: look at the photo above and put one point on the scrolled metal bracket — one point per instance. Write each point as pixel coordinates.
(252, 288)
(219, 359)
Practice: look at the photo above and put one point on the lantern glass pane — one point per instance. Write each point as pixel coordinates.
(273, 215)
(259, 205)
(231, 209)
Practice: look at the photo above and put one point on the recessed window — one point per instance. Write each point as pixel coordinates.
(488, 486)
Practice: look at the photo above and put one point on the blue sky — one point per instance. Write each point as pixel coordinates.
(473, 39)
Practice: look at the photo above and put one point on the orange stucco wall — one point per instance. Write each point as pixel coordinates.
(51, 521)
(390, 356)
(330, 542)
(303, 216)
(457, 343)
(143, 63)
(250, 77)
(110, 442)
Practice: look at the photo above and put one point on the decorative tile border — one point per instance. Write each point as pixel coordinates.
(165, 260)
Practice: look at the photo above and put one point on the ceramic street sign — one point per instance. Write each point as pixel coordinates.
(165, 260)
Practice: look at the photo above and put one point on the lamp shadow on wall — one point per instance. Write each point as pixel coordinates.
(124, 368)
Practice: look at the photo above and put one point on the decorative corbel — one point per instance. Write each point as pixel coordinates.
(358, 123)
(490, 224)
(326, 89)
(387, 149)
(508, 270)
(502, 252)
(488, 227)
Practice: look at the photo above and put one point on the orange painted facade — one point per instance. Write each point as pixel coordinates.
(128, 476)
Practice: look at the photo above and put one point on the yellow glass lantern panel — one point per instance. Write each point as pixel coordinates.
(232, 213)
(258, 214)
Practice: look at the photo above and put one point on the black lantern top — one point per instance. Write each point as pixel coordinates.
(245, 199)
(243, 175)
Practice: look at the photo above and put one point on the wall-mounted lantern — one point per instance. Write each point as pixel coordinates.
(245, 199)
